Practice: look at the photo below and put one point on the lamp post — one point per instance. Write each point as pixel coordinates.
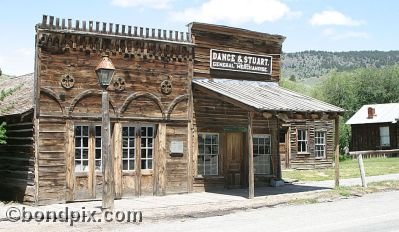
(104, 71)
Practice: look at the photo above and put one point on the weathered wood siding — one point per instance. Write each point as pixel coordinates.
(208, 37)
(51, 161)
(367, 137)
(17, 160)
(217, 116)
(308, 160)
(143, 62)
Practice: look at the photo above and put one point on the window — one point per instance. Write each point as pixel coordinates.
(208, 152)
(262, 154)
(384, 136)
(320, 144)
(98, 149)
(147, 147)
(81, 148)
(128, 148)
(302, 141)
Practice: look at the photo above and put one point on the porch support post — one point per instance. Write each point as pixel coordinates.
(69, 157)
(336, 151)
(276, 143)
(251, 181)
(108, 167)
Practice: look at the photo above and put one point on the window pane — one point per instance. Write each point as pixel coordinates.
(132, 153)
(85, 154)
(125, 142)
(125, 131)
(149, 154)
(85, 131)
(131, 131)
(132, 142)
(131, 164)
(98, 130)
(143, 164)
(98, 164)
(208, 151)
(98, 142)
(124, 153)
(98, 153)
(150, 131)
(125, 165)
(85, 142)
(149, 164)
(143, 153)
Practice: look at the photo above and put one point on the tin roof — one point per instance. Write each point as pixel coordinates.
(18, 92)
(383, 113)
(265, 96)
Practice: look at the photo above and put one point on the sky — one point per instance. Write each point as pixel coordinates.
(327, 25)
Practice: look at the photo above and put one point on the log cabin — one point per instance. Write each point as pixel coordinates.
(375, 127)
(192, 111)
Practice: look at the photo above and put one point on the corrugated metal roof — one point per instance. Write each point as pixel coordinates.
(21, 98)
(265, 96)
(383, 113)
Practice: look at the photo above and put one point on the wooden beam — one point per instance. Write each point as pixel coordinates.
(117, 137)
(69, 157)
(251, 180)
(108, 195)
(161, 161)
(336, 152)
(277, 145)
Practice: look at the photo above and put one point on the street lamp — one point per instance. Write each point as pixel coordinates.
(104, 71)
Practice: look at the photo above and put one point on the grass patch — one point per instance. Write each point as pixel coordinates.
(302, 201)
(348, 169)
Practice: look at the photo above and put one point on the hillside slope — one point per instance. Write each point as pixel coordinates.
(314, 64)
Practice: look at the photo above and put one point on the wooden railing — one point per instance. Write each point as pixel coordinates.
(374, 153)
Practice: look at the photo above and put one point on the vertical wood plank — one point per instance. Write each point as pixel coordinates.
(91, 178)
(108, 169)
(117, 135)
(276, 143)
(36, 145)
(336, 152)
(69, 157)
(251, 180)
(161, 162)
(137, 187)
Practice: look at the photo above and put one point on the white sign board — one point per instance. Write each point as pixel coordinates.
(176, 146)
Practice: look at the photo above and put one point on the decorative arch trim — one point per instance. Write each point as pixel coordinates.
(50, 93)
(174, 103)
(134, 96)
(85, 94)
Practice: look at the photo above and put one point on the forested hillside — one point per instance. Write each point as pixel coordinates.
(315, 64)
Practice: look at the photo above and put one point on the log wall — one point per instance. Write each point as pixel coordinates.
(17, 160)
(367, 137)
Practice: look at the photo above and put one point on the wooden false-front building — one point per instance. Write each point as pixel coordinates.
(189, 112)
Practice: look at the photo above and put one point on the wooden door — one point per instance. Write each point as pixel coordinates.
(234, 160)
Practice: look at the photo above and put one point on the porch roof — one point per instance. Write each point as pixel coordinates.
(18, 95)
(265, 96)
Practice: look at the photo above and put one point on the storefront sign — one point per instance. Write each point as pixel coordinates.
(240, 62)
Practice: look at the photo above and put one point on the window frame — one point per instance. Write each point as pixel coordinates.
(324, 144)
(385, 136)
(269, 155)
(138, 152)
(91, 148)
(211, 154)
(130, 148)
(81, 148)
(306, 140)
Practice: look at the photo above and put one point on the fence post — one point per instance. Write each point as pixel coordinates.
(362, 172)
